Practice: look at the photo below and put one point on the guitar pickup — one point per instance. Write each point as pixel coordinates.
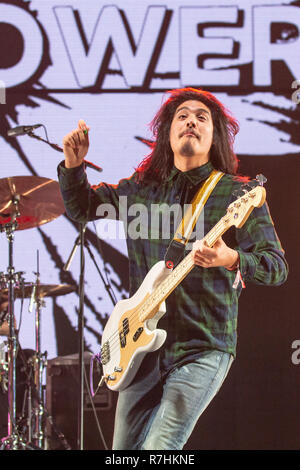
(126, 326)
(138, 333)
(124, 332)
(122, 339)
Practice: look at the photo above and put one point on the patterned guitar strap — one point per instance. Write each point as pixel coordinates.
(176, 248)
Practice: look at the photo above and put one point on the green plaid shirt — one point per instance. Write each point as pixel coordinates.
(202, 310)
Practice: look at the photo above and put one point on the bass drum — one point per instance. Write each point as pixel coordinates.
(24, 371)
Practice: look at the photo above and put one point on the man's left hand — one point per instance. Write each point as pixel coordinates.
(219, 255)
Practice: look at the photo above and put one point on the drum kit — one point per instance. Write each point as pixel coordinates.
(25, 202)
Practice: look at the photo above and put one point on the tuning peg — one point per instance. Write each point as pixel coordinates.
(261, 179)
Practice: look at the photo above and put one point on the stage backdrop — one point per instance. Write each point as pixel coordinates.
(111, 65)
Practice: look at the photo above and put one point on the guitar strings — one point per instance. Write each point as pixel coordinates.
(114, 339)
(134, 318)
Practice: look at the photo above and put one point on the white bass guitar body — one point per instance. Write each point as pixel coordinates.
(129, 333)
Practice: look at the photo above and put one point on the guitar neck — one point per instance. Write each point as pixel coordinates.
(179, 273)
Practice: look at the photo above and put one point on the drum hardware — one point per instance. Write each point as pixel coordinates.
(29, 290)
(40, 362)
(29, 430)
(25, 420)
(26, 202)
(38, 200)
(28, 393)
(3, 317)
(33, 419)
(36, 425)
(12, 441)
(4, 303)
(36, 410)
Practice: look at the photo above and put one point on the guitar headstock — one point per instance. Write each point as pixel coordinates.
(239, 210)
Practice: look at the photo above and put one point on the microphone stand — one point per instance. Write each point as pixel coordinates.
(80, 241)
(13, 441)
(81, 341)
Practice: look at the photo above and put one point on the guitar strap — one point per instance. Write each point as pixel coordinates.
(182, 235)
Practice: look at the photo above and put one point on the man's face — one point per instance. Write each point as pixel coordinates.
(191, 131)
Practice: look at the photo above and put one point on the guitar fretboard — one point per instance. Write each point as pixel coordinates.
(149, 308)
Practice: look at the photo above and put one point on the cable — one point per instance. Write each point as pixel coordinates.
(104, 262)
(46, 133)
(94, 410)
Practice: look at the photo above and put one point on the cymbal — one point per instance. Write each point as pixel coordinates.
(39, 200)
(42, 290)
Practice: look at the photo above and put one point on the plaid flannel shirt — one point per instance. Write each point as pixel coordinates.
(202, 311)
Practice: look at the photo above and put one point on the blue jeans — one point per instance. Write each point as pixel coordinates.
(155, 414)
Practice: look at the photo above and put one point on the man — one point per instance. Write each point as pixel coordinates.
(193, 133)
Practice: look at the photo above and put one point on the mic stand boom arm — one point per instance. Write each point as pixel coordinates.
(59, 149)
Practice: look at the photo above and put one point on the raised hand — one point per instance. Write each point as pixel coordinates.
(76, 145)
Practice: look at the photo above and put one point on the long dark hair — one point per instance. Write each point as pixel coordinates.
(158, 163)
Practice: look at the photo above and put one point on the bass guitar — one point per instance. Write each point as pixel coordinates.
(131, 330)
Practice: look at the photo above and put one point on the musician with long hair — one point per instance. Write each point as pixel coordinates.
(193, 136)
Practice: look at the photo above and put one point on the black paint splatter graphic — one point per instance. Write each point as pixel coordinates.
(290, 125)
(25, 94)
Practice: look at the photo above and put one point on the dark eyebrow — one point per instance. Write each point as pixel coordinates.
(197, 110)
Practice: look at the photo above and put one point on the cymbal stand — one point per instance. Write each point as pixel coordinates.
(13, 441)
(30, 395)
(40, 362)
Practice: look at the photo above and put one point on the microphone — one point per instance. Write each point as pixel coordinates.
(22, 130)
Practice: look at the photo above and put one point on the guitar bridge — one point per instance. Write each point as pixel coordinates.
(105, 353)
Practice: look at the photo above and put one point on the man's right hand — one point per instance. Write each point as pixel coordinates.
(76, 145)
